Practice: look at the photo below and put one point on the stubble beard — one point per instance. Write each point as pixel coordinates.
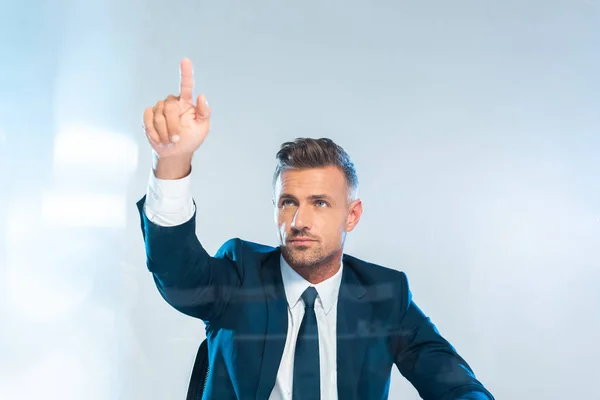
(304, 258)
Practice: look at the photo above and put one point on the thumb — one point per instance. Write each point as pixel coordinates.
(202, 109)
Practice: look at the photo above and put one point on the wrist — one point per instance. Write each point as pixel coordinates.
(171, 168)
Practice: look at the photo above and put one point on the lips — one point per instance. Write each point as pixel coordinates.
(300, 241)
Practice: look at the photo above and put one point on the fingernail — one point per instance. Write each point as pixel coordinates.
(175, 138)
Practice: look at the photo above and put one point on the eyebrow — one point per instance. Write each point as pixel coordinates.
(311, 197)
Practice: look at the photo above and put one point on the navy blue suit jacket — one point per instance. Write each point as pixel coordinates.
(239, 295)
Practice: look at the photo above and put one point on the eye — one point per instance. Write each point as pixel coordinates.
(287, 203)
(321, 203)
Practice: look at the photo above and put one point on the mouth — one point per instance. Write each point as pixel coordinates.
(300, 241)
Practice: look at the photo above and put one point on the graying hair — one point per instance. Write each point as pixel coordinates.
(316, 153)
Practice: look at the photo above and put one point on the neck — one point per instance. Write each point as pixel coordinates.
(322, 271)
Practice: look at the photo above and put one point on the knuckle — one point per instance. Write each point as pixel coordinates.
(158, 116)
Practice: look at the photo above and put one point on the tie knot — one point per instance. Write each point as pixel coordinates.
(309, 296)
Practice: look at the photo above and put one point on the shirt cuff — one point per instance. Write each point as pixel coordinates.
(169, 202)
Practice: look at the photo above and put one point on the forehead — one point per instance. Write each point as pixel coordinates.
(328, 180)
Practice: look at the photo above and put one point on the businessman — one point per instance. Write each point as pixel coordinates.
(302, 320)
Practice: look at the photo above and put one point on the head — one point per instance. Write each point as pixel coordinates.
(315, 194)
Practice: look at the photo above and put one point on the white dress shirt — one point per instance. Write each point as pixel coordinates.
(169, 203)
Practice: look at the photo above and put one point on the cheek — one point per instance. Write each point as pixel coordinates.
(333, 226)
(282, 221)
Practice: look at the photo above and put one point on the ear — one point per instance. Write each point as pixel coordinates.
(354, 214)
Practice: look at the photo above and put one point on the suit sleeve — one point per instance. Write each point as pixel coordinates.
(187, 277)
(429, 361)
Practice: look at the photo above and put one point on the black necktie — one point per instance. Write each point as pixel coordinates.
(307, 376)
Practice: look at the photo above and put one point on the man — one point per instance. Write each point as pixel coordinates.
(301, 321)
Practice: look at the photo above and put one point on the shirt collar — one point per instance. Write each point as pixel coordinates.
(294, 285)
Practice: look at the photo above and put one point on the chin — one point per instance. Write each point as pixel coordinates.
(304, 259)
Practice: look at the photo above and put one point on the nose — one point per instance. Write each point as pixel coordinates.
(302, 220)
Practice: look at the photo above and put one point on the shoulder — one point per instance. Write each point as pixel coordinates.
(237, 249)
(381, 282)
(375, 273)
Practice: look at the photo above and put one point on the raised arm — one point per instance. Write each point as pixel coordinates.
(187, 277)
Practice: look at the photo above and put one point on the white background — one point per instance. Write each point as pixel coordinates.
(474, 126)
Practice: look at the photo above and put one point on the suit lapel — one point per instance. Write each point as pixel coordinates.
(353, 321)
(277, 325)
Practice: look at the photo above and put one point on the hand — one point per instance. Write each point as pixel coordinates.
(175, 126)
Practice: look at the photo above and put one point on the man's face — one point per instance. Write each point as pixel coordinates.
(313, 214)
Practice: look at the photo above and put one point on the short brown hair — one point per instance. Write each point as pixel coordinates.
(316, 153)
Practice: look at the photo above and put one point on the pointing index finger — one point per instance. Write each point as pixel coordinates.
(186, 86)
